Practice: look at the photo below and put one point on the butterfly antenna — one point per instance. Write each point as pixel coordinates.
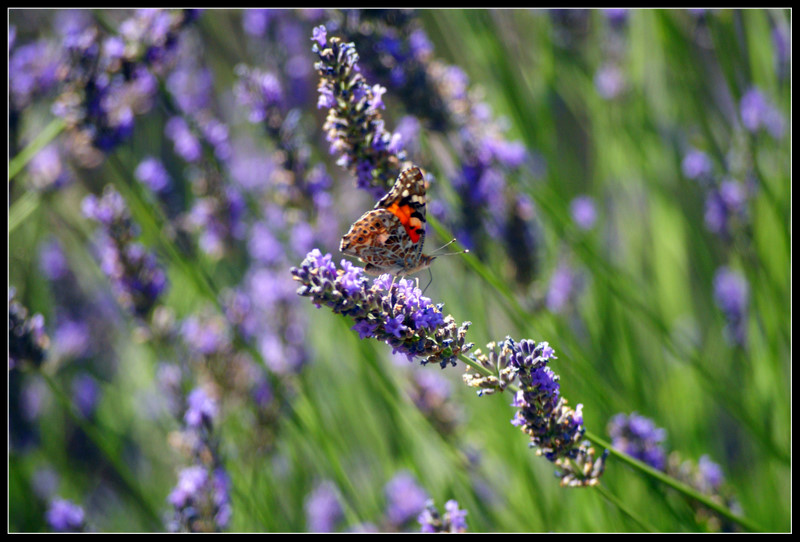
(465, 251)
(430, 273)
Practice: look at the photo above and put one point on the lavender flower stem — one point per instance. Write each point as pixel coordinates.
(639, 465)
(50, 132)
(673, 483)
(99, 437)
(203, 284)
(22, 208)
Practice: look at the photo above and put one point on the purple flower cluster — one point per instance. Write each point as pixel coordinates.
(555, 429)
(323, 508)
(697, 165)
(136, 278)
(405, 499)
(731, 293)
(640, 438)
(354, 126)
(566, 284)
(584, 212)
(108, 79)
(394, 312)
(201, 498)
(27, 340)
(758, 113)
(260, 92)
(64, 516)
(726, 207)
(453, 521)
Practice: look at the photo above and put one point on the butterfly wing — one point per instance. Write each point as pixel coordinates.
(389, 239)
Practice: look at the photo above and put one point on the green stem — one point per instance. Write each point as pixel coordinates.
(96, 435)
(44, 137)
(22, 208)
(624, 508)
(675, 484)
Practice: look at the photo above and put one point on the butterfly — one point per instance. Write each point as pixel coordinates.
(390, 237)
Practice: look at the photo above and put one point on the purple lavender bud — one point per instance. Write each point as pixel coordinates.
(27, 340)
(757, 112)
(85, 394)
(64, 516)
(72, 339)
(201, 410)
(731, 293)
(187, 146)
(136, 278)
(638, 437)
(697, 165)
(354, 126)
(725, 207)
(52, 260)
(584, 212)
(151, 172)
(454, 520)
(323, 510)
(256, 21)
(319, 34)
(565, 285)
(190, 481)
(710, 474)
(47, 169)
(405, 499)
(609, 81)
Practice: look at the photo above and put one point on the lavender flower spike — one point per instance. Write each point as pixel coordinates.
(27, 339)
(355, 128)
(136, 277)
(555, 429)
(394, 312)
(454, 520)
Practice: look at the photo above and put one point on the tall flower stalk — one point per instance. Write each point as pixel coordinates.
(354, 126)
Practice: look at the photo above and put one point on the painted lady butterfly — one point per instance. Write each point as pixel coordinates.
(390, 237)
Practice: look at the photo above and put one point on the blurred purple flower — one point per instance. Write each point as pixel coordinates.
(52, 260)
(151, 173)
(201, 410)
(323, 510)
(725, 206)
(72, 338)
(85, 394)
(697, 165)
(640, 438)
(187, 146)
(405, 499)
(609, 81)
(47, 169)
(454, 520)
(27, 340)
(584, 212)
(565, 285)
(731, 293)
(64, 516)
(757, 112)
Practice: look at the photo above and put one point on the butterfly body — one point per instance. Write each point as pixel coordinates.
(390, 237)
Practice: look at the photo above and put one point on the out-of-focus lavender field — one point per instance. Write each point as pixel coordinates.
(604, 348)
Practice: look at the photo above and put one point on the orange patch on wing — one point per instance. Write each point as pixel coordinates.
(403, 212)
